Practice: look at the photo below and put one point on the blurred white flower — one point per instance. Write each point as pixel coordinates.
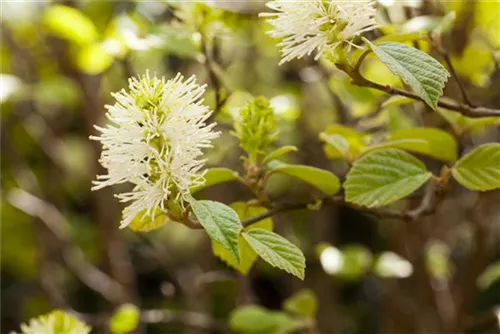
(390, 264)
(331, 260)
(55, 322)
(321, 25)
(155, 142)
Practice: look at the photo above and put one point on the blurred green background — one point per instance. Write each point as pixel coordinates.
(61, 60)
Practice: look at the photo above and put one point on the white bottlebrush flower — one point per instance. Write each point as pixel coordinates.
(55, 322)
(308, 25)
(155, 140)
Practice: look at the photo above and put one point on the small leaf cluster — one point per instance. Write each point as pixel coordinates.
(298, 314)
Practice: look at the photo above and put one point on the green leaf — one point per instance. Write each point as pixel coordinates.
(424, 74)
(247, 254)
(319, 178)
(489, 276)
(278, 153)
(428, 141)
(215, 176)
(354, 140)
(462, 124)
(70, 24)
(221, 223)
(277, 251)
(356, 262)
(251, 319)
(480, 169)
(339, 143)
(397, 100)
(382, 177)
(254, 319)
(125, 319)
(146, 224)
(93, 59)
(303, 303)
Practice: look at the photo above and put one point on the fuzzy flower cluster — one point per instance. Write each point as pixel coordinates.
(321, 25)
(55, 322)
(155, 140)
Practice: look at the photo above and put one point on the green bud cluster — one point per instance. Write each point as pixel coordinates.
(256, 127)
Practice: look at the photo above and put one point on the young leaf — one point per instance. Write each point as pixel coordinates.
(382, 177)
(125, 319)
(428, 141)
(303, 303)
(424, 74)
(247, 254)
(254, 319)
(278, 153)
(221, 223)
(277, 251)
(70, 24)
(353, 138)
(480, 169)
(489, 276)
(215, 176)
(319, 178)
(146, 224)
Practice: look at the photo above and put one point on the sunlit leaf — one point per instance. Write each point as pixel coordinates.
(303, 303)
(319, 178)
(215, 176)
(424, 74)
(382, 177)
(125, 319)
(221, 223)
(247, 254)
(278, 153)
(70, 24)
(479, 170)
(277, 251)
(93, 59)
(435, 143)
(353, 139)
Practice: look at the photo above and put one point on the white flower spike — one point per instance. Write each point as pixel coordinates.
(308, 25)
(155, 142)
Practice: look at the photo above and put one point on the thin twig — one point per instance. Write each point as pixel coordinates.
(466, 110)
(73, 256)
(214, 80)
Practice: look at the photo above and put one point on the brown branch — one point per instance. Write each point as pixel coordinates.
(464, 109)
(73, 256)
(426, 207)
(214, 80)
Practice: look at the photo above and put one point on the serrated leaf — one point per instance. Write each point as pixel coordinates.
(221, 223)
(125, 319)
(70, 24)
(319, 178)
(278, 153)
(247, 254)
(215, 176)
(277, 251)
(428, 141)
(424, 74)
(382, 177)
(480, 169)
(303, 303)
(352, 137)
